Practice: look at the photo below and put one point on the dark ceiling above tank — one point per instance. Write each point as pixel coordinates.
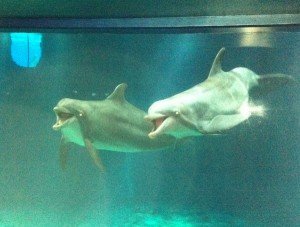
(143, 8)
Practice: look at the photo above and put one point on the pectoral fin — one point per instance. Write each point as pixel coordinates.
(93, 153)
(63, 152)
(85, 130)
(224, 122)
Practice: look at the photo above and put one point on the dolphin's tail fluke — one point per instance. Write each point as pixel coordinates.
(271, 82)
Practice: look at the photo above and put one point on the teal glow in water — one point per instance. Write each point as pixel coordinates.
(246, 177)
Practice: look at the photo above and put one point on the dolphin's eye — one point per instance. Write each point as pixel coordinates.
(174, 114)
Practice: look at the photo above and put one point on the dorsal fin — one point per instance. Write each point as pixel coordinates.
(216, 66)
(118, 93)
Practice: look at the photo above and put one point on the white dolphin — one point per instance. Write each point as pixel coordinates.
(213, 106)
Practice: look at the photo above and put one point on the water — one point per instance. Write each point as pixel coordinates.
(246, 177)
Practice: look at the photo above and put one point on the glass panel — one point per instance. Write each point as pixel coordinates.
(245, 176)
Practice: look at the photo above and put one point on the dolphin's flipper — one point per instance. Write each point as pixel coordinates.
(87, 138)
(93, 153)
(224, 122)
(63, 152)
(270, 82)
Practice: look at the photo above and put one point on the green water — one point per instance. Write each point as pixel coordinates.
(246, 177)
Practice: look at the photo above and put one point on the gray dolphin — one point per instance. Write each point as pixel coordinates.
(217, 104)
(111, 124)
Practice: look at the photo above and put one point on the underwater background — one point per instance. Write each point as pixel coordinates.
(249, 176)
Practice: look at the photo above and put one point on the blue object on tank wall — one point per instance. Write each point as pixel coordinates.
(26, 49)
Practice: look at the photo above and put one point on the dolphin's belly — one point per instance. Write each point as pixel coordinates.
(73, 134)
(116, 146)
(134, 144)
(127, 138)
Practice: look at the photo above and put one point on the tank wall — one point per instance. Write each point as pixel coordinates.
(250, 173)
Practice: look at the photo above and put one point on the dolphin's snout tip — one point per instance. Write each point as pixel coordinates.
(55, 127)
(55, 109)
(152, 135)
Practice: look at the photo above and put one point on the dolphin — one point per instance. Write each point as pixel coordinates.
(112, 124)
(219, 103)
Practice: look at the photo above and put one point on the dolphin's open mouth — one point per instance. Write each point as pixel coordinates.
(158, 124)
(62, 116)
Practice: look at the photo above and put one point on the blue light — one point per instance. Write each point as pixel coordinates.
(26, 49)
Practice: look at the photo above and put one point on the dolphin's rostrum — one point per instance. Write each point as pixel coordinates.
(219, 103)
(112, 124)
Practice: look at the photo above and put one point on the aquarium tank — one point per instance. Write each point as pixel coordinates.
(80, 85)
